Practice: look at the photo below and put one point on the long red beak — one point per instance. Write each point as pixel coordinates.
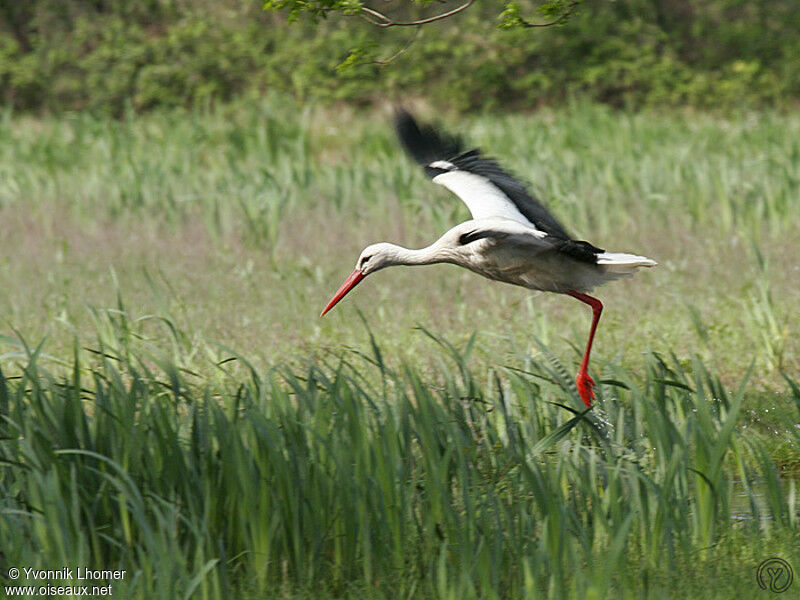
(349, 283)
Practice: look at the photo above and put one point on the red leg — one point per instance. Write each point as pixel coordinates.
(583, 381)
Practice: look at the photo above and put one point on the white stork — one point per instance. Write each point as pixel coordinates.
(511, 236)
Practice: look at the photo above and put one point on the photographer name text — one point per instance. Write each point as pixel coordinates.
(66, 573)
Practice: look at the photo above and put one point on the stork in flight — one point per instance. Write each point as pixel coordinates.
(511, 236)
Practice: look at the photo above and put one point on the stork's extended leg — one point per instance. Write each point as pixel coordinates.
(583, 381)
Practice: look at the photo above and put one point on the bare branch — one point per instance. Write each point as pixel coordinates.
(381, 20)
(402, 50)
(370, 20)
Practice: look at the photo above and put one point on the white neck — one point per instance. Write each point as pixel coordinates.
(397, 255)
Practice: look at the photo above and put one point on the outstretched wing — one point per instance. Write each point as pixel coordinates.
(485, 187)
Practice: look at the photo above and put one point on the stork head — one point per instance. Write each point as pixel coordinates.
(376, 257)
(373, 258)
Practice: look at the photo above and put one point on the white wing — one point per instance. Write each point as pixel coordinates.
(482, 184)
(482, 197)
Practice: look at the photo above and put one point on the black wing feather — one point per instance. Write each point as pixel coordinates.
(479, 234)
(426, 145)
(525, 202)
(579, 250)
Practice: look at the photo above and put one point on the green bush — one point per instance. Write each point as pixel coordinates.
(635, 53)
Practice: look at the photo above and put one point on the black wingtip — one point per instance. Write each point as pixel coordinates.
(403, 118)
(424, 143)
(408, 132)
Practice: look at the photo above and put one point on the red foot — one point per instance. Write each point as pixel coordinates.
(585, 385)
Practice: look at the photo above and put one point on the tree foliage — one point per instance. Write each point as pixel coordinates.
(110, 56)
(401, 13)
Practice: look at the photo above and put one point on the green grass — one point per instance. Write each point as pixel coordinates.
(172, 404)
(348, 472)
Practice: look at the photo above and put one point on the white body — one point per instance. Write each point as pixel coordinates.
(510, 251)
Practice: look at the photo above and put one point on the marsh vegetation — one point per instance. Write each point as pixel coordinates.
(172, 405)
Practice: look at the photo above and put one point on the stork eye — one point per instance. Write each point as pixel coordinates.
(365, 260)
